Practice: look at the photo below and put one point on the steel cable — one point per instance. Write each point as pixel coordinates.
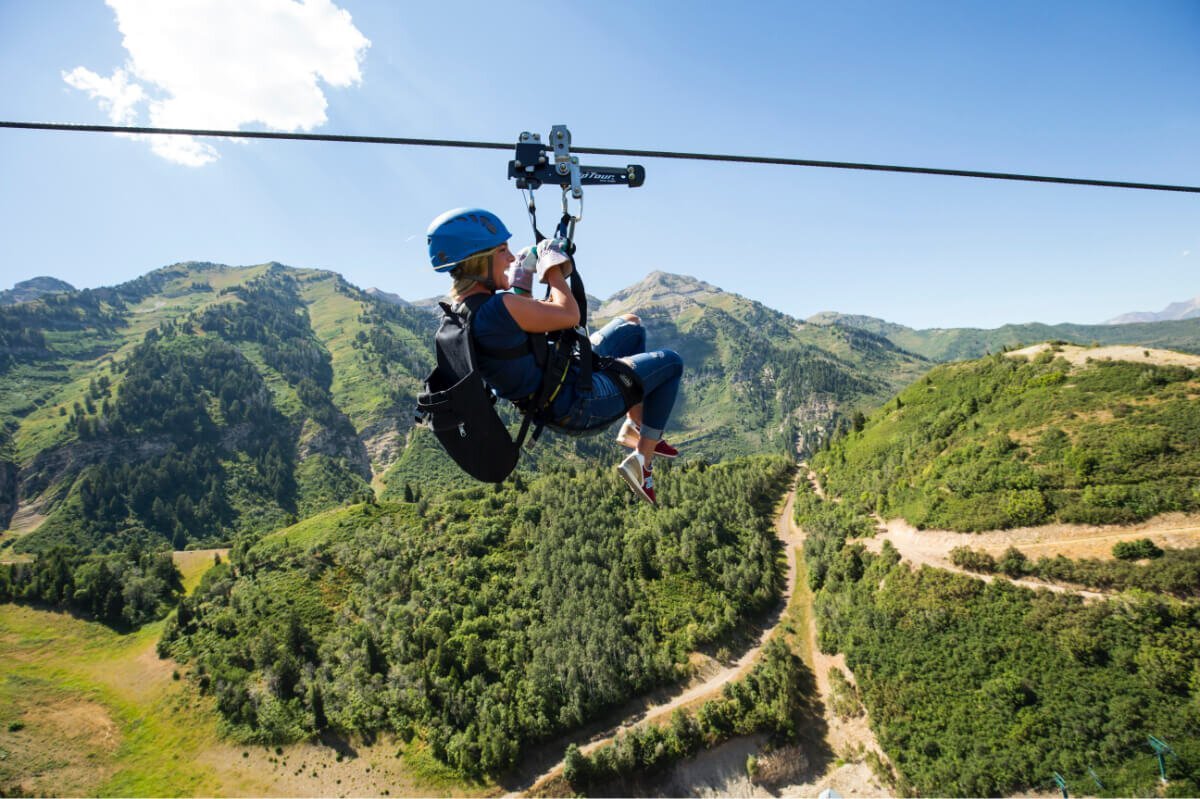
(628, 153)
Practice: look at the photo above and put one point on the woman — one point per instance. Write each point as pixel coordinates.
(471, 244)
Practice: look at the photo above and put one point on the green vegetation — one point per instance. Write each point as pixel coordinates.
(1140, 549)
(1173, 571)
(774, 698)
(241, 399)
(1006, 442)
(756, 381)
(123, 590)
(227, 413)
(979, 689)
(482, 620)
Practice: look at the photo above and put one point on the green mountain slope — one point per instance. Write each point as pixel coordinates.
(484, 620)
(1007, 441)
(201, 402)
(756, 379)
(966, 343)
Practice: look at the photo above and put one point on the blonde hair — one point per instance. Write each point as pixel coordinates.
(473, 266)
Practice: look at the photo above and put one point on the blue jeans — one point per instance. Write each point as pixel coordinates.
(660, 373)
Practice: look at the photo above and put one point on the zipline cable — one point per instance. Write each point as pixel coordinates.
(483, 145)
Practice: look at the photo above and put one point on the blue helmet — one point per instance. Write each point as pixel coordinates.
(460, 233)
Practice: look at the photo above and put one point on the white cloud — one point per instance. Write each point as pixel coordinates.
(116, 95)
(222, 64)
(1186, 253)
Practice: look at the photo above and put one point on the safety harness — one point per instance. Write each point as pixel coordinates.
(456, 404)
(555, 352)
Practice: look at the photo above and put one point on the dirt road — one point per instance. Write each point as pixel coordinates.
(662, 705)
(932, 547)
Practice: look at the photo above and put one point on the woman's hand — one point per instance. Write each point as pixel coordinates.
(552, 253)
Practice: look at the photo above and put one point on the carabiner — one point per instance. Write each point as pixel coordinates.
(566, 211)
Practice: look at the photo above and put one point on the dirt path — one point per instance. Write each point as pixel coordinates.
(932, 547)
(848, 738)
(836, 760)
(664, 703)
(1080, 356)
(721, 771)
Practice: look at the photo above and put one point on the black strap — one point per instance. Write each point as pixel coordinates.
(628, 381)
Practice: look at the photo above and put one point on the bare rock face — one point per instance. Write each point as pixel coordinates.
(325, 441)
(384, 442)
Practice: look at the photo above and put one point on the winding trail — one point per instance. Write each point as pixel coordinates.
(932, 547)
(662, 703)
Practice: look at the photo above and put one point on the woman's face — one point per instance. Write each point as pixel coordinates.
(500, 261)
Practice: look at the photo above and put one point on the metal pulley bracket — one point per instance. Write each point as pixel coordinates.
(532, 167)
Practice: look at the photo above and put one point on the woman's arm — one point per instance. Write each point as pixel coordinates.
(559, 312)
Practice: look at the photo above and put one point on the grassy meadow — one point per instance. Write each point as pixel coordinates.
(85, 710)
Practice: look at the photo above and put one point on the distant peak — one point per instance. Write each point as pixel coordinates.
(45, 283)
(386, 296)
(33, 288)
(1188, 309)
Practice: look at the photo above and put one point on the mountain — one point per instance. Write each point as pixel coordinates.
(1050, 433)
(967, 343)
(33, 288)
(387, 296)
(1188, 309)
(202, 402)
(757, 379)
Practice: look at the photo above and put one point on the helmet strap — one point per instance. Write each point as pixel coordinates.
(487, 282)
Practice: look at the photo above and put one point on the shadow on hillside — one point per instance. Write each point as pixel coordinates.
(338, 744)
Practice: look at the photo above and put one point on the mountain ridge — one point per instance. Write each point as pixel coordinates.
(967, 343)
(295, 389)
(28, 290)
(1187, 309)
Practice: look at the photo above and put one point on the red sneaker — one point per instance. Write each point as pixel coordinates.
(628, 437)
(639, 478)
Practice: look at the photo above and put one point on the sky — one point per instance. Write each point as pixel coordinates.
(1098, 89)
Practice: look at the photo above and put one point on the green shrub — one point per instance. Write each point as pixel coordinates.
(1140, 549)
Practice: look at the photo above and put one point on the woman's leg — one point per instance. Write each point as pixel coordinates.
(622, 337)
(660, 373)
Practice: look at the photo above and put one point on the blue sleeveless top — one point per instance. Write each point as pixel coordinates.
(494, 328)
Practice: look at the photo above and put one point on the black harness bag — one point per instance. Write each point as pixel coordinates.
(460, 408)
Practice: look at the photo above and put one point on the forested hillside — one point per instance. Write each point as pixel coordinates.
(1010, 441)
(123, 589)
(978, 689)
(482, 620)
(201, 402)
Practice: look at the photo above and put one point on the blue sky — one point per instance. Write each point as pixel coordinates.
(1097, 89)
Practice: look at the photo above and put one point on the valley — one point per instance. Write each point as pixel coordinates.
(357, 619)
